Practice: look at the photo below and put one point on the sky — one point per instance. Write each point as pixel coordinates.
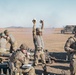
(55, 13)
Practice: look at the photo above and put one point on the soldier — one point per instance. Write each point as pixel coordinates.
(3, 43)
(11, 40)
(39, 44)
(19, 58)
(70, 47)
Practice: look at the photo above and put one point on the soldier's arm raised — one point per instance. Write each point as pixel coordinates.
(34, 27)
(42, 22)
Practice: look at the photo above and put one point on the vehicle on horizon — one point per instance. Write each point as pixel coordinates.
(68, 28)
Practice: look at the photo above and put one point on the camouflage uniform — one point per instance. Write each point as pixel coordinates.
(17, 59)
(11, 40)
(70, 47)
(39, 45)
(3, 43)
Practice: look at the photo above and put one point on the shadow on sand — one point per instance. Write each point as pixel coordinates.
(39, 72)
(61, 67)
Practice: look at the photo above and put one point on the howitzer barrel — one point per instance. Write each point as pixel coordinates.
(5, 55)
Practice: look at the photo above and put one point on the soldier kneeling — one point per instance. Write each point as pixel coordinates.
(19, 61)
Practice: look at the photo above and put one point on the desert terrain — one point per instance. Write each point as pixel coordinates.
(54, 41)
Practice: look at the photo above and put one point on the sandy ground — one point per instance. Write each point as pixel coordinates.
(54, 41)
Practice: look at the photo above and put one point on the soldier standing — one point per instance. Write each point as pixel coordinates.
(19, 58)
(11, 40)
(70, 47)
(39, 44)
(3, 43)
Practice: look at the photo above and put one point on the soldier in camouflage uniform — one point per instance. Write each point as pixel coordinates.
(70, 47)
(39, 44)
(11, 40)
(3, 43)
(19, 58)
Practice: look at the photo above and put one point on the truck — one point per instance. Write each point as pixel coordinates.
(68, 28)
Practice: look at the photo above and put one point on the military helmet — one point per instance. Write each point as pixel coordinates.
(23, 46)
(38, 30)
(6, 31)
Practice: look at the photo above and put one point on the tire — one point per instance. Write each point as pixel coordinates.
(73, 32)
(62, 31)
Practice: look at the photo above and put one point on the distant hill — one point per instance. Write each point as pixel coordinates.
(15, 27)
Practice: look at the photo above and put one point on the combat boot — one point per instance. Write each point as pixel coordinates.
(45, 70)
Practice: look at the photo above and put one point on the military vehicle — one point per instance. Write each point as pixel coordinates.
(68, 28)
